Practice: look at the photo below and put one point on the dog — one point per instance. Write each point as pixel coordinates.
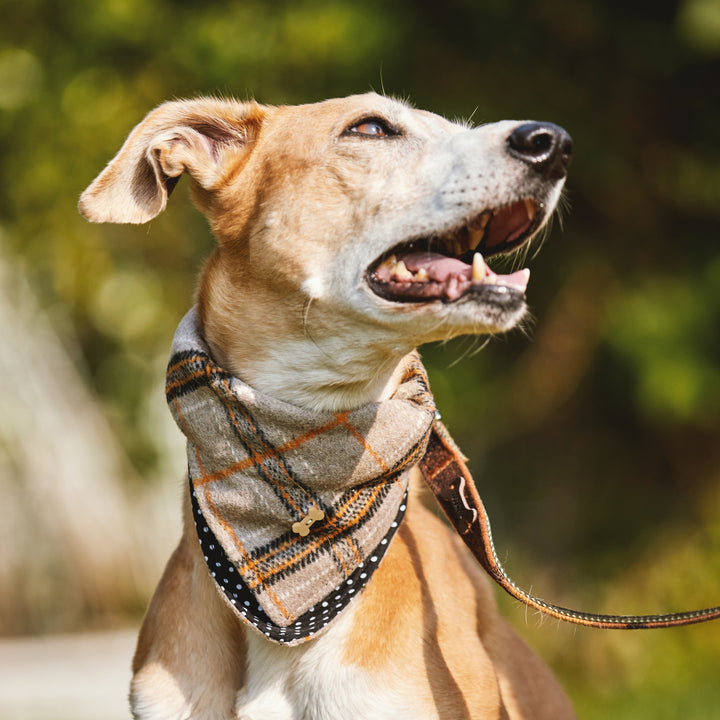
(349, 232)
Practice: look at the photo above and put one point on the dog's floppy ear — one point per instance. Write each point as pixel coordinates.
(198, 136)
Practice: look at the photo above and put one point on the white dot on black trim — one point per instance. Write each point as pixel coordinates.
(374, 558)
(363, 576)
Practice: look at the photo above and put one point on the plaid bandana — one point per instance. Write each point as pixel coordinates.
(294, 509)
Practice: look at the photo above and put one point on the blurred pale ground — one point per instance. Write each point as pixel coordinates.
(66, 677)
(594, 438)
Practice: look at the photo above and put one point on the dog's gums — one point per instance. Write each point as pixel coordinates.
(447, 268)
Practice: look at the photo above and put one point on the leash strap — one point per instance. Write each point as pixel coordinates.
(447, 475)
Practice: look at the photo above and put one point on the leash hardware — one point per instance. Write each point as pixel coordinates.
(302, 528)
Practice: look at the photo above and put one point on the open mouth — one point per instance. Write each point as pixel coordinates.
(450, 266)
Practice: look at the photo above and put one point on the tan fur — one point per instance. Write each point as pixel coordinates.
(300, 209)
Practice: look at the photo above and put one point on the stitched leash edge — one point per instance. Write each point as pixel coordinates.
(447, 475)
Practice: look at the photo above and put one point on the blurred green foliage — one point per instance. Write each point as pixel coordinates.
(595, 442)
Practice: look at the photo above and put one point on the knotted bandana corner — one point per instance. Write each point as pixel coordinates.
(294, 509)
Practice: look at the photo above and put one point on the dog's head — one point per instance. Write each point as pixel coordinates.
(359, 223)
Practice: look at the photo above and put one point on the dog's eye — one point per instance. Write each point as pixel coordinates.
(372, 127)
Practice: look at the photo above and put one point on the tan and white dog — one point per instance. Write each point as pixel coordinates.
(349, 232)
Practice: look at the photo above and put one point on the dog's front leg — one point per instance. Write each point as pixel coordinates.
(190, 660)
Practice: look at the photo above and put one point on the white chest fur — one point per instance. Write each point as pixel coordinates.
(314, 682)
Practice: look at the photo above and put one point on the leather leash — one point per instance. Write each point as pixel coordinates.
(447, 475)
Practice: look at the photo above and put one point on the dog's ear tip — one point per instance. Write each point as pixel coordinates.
(96, 210)
(85, 208)
(92, 209)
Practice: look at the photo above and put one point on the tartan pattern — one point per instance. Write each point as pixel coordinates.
(257, 465)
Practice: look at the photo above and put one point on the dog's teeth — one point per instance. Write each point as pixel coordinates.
(476, 237)
(476, 229)
(478, 268)
(401, 272)
(530, 208)
(388, 263)
(481, 222)
(421, 274)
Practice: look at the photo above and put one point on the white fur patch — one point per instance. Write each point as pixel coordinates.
(313, 682)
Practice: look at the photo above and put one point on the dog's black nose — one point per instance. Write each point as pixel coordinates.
(544, 146)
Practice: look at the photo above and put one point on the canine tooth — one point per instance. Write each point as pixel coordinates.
(388, 263)
(478, 268)
(482, 221)
(401, 272)
(421, 274)
(530, 208)
(476, 237)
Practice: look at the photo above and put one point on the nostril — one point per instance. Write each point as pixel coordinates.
(532, 139)
(544, 146)
(541, 142)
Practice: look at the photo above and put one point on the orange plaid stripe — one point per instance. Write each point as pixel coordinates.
(311, 545)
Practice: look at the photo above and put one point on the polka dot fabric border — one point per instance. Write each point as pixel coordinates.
(246, 605)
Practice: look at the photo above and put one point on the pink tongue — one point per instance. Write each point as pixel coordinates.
(438, 267)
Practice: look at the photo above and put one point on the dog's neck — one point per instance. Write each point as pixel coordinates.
(310, 372)
(305, 374)
(320, 363)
